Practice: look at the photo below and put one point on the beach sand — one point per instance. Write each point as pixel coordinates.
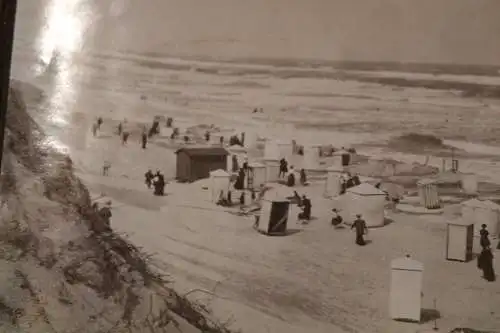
(316, 280)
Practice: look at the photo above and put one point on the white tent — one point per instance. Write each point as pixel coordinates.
(482, 212)
(367, 200)
(469, 183)
(285, 149)
(240, 153)
(272, 170)
(311, 156)
(220, 181)
(271, 150)
(333, 183)
(257, 174)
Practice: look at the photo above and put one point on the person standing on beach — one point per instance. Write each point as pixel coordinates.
(144, 140)
(361, 229)
(484, 240)
(485, 263)
(99, 123)
(125, 136)
(120, 129)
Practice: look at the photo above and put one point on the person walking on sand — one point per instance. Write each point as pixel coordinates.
(120, 129)
(361, 229)
(484, 240)
(99, 123)
(485, 263)
(283, 168)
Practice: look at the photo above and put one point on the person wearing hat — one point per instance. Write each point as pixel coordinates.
(484, 240)
(361, 229)
(336, 219)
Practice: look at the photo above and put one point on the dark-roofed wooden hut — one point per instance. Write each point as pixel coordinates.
(197, 163)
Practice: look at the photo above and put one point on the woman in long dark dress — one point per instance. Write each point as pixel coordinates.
(485, 263)
(484, 239)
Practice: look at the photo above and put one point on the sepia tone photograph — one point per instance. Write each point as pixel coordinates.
(250, 166)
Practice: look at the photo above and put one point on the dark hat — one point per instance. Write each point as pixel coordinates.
(358, 215)
(334, 210)
(483, 225)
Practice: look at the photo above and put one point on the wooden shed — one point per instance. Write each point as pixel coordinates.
(406, 289)
(195, 163)
(459, 240)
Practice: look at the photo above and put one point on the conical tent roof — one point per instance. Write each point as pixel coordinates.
(365, 189)
(475, 203)
(407, 264)
(219, 173)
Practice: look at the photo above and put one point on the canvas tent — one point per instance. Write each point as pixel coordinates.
(256, 175)
(271, 150)
(482, 212)
(274, 214)
(285, 149)
(469, 183)
(333, 183)
(220, 181)
(240, 153)
(272, 170)
(311, 157)
(367, 200)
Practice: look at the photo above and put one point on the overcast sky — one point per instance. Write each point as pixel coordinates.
(456, 31)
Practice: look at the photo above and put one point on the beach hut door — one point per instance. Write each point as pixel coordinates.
(279, 217)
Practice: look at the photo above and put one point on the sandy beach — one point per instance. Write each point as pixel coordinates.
(316, 279)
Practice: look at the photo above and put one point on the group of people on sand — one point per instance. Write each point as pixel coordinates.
(157, 181)
(289, 174)
(305, 203)
(348, 181)
(485, 259)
